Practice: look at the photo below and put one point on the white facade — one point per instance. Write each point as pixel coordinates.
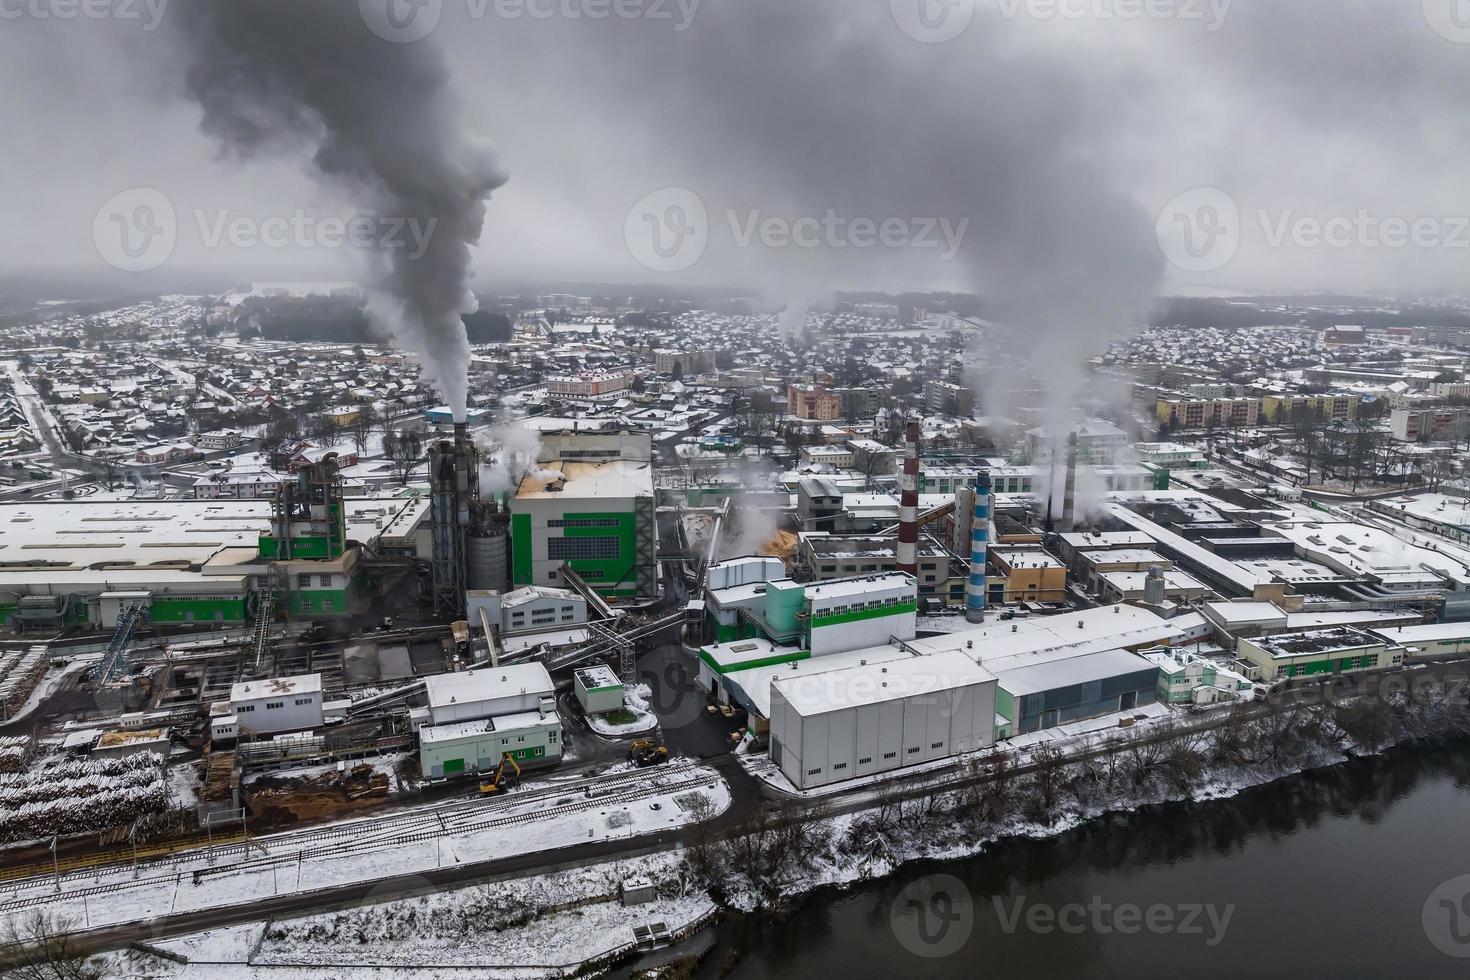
(529, 608)
(287, 704)
(876, 717)
(856, 613)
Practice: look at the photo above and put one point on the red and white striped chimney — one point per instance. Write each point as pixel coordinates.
(908, 502)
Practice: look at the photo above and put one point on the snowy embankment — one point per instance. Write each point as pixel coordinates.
(541, 926)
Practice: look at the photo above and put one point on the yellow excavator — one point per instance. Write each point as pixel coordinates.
(647, 752)
(508, 769)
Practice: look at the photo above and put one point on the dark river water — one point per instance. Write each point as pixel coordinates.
(1347, 872)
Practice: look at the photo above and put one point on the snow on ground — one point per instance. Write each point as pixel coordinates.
(537, 926)
(48, 684)
(374, 849)
(635, 700)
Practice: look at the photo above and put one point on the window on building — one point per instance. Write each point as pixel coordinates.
(272, 705)
(936, 745)
(839, 766)
(864, 762)
(913, 750)
(890, 755)
(814, 772)
(585, 522)
(244, 708)
(304, 701)
(568, 549)
(303, 581)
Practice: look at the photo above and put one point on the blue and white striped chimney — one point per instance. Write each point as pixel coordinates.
(979, 542)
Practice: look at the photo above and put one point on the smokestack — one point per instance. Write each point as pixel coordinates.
(908, 502)
(461, 433)
(979, 544)
(1069, 492)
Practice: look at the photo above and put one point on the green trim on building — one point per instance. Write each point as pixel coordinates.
(522, 564)
(709, 661)
(7, 610)
(313, 546)
(741, 630)
(319, 602)
(1005, 705)
(165, 609)
(858, 615)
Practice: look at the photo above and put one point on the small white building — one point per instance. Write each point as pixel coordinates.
(598, 689)
(286, 704)
(534, 607)
(1185, 678)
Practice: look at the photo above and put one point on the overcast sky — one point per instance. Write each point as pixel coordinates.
(1050, 140)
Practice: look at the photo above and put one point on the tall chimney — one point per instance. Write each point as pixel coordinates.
(1069, 491)
(979, 544)
(908, 502)
(461, 432)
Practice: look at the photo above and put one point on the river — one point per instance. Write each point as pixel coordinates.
(1344, 872)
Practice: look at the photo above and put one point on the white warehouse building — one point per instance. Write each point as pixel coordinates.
(877, 716)
(477, 717)
(286, 704)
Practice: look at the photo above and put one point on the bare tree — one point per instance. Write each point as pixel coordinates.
(362, 426)
(40, 945)
(1049, 769)
(405, 449)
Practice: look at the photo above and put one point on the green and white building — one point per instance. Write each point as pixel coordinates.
(1327, 652)
(588, 504)
(475, 718)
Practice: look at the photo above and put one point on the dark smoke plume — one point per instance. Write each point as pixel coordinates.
(376, 117)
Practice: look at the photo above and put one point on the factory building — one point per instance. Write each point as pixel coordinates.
(587, 504)
(1186, 678)
(82, 562)
(867, 718)
(1026, 575)
(477, 717)
(287, 704)
(817, 618)
(844, 556)
(1340, 650)
(530, 608)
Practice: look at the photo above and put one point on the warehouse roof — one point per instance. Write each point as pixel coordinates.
(1018, 678)
(1069, 634)
(1425, 633)
(874, 682)
(276, 687)
(840, 588)
(487, 683)
(430, 734)
(1314, 641)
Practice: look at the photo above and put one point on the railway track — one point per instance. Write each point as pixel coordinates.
(453, 818)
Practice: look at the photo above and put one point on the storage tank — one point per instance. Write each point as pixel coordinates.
(486, 560)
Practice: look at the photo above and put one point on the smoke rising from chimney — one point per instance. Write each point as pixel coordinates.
(379, 124)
